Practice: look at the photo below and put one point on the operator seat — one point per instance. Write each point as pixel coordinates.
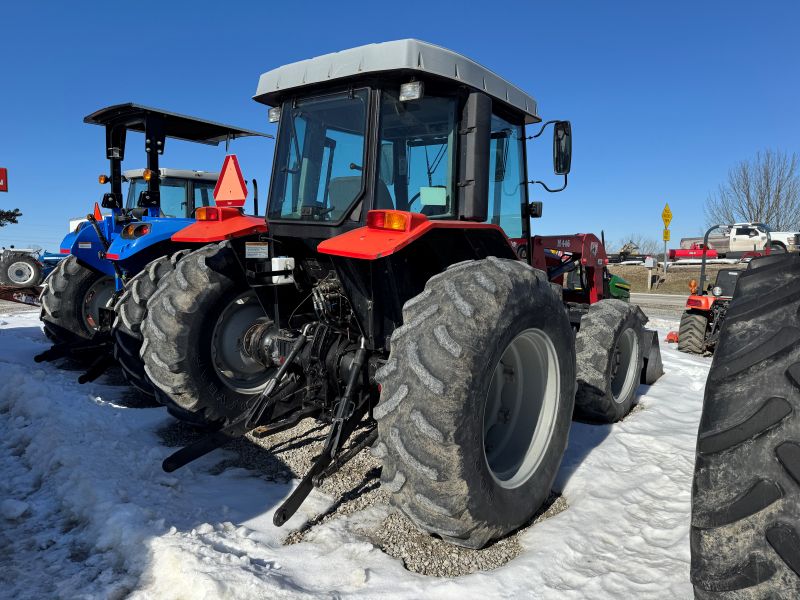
(343, 190)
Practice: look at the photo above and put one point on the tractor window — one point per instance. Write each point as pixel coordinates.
(506, 176)
(173, 197)
(204, 193)
(319, 158)
(135, 187)
(417, 155)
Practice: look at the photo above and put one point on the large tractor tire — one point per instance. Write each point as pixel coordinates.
(476, 401)
(71, 299)
(130, 310)
(20, 270)
(745, 534)
(692, 333)
(193, 332)
(609, 352)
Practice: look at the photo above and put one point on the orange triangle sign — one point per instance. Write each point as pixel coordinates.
(231, 189)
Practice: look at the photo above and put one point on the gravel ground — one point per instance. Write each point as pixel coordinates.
(289, 454)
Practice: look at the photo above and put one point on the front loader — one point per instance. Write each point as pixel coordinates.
(387, 300)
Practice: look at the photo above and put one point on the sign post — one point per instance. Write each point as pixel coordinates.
(666, 216)
(3, 179)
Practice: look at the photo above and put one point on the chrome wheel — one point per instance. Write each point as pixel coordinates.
(231, 363)
(520, 409)
(624, 376)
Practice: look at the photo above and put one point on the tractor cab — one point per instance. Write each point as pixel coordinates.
(181, 191)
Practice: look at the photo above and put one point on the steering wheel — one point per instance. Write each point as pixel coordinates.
(414, 199)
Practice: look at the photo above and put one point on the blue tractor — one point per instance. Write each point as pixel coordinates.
(109, 253)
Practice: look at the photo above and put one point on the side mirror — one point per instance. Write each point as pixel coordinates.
(562, 147)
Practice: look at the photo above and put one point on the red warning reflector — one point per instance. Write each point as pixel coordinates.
(98, 216)
(231, 189)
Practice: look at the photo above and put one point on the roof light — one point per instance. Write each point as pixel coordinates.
(395, 220)
(103, 179)
(411, 91)
(274, 114)
(207, 213)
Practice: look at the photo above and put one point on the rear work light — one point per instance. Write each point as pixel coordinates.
(135, 230)
(394, 220)
(207, 213)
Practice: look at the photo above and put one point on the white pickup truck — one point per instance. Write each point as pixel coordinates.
(743, 238)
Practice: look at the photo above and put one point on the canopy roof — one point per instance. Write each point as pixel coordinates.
(181, 127)
(400, 55)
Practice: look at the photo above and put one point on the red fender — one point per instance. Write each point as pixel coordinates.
(215, 224)
(700, 302)
(388, 231)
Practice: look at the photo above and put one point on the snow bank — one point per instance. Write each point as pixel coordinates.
(87, 512)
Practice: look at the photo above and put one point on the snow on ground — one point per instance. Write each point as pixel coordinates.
(86, 512)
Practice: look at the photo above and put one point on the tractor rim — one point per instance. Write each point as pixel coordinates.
(624, 376)
(520, 410)
(20, 273)
(99, 295)
(232, 364)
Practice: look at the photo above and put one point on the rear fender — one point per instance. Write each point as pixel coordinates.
(161, 230)
(700, 303)
(231, 225)
(87, 248)
(380, 275)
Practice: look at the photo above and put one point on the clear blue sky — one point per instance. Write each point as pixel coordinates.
(663, 97)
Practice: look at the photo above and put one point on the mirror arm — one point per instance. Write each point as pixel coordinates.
(544, 185)
(541, 131)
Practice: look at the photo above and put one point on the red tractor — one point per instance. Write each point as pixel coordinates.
(387, 300)
(702, 320)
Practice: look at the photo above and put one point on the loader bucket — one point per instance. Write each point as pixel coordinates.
(653, 368)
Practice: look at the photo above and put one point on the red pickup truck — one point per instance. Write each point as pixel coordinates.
(695, 251)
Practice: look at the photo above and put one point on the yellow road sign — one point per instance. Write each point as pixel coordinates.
(666, 235)
(666, 215)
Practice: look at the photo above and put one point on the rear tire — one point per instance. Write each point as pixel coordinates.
(70, 300)
(692, 333)
(464, 457)
(20, 269)
(182, 352)
(745, 537)
(130, 310)
(609, 357)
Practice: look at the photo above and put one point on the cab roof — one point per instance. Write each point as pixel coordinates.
(181, 127)
(400, 55)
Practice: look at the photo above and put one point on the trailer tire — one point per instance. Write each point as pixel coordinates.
(439, 382)
(745, 537)
(609, 350)
(183, 319)
(67, 293)
(130, 310)
(692, 333)
(19, 269)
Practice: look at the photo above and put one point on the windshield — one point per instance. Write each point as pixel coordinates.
(417, 157)
(320, 157)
